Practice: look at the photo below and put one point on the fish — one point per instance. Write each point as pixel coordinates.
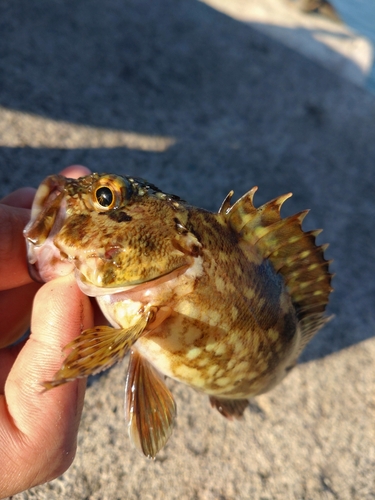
(222, 302)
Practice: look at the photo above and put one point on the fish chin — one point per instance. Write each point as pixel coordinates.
(121, 305)
(93, 290)
(89, 279)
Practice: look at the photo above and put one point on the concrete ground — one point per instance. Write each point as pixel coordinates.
(199, 102)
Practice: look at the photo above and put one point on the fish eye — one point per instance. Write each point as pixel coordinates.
(109, 192)
(105, 197)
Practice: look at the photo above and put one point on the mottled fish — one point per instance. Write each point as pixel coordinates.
(223, 302)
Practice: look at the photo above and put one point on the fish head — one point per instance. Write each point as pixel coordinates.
(113, 232)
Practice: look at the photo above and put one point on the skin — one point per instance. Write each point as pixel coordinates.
(38, 430)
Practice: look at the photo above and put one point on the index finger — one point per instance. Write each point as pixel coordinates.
(13, 263)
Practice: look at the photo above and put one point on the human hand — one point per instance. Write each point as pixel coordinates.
(38, 430)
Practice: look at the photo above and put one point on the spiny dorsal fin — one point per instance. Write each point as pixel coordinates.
(292, 252)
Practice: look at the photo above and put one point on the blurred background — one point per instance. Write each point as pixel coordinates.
(360, 16)
(201, 97)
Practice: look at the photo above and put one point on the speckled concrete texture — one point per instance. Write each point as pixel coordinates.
(200, 103)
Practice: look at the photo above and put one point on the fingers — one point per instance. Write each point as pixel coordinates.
(21, 198)
(13, 262)
(38, 429)
(15, 307)
(75, 171)
(14, 217)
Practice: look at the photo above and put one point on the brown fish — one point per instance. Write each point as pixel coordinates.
(222, 302)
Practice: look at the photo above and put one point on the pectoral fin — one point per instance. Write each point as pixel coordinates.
(149, 407)
(229, 408)
(96, 350)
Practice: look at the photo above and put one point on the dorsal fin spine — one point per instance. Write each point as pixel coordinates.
(292, 251)
(225, 206)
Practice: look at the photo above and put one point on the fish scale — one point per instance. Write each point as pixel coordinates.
(223, 302)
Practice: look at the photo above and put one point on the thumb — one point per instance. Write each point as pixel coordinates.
(42, 426)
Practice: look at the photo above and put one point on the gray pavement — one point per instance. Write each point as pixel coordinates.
(95, 83)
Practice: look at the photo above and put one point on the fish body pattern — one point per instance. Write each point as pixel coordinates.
(223, 302)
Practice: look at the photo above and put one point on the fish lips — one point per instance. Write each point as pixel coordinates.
(47, 218)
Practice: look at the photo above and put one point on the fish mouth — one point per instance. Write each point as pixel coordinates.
(47, 218)
(92, 290)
